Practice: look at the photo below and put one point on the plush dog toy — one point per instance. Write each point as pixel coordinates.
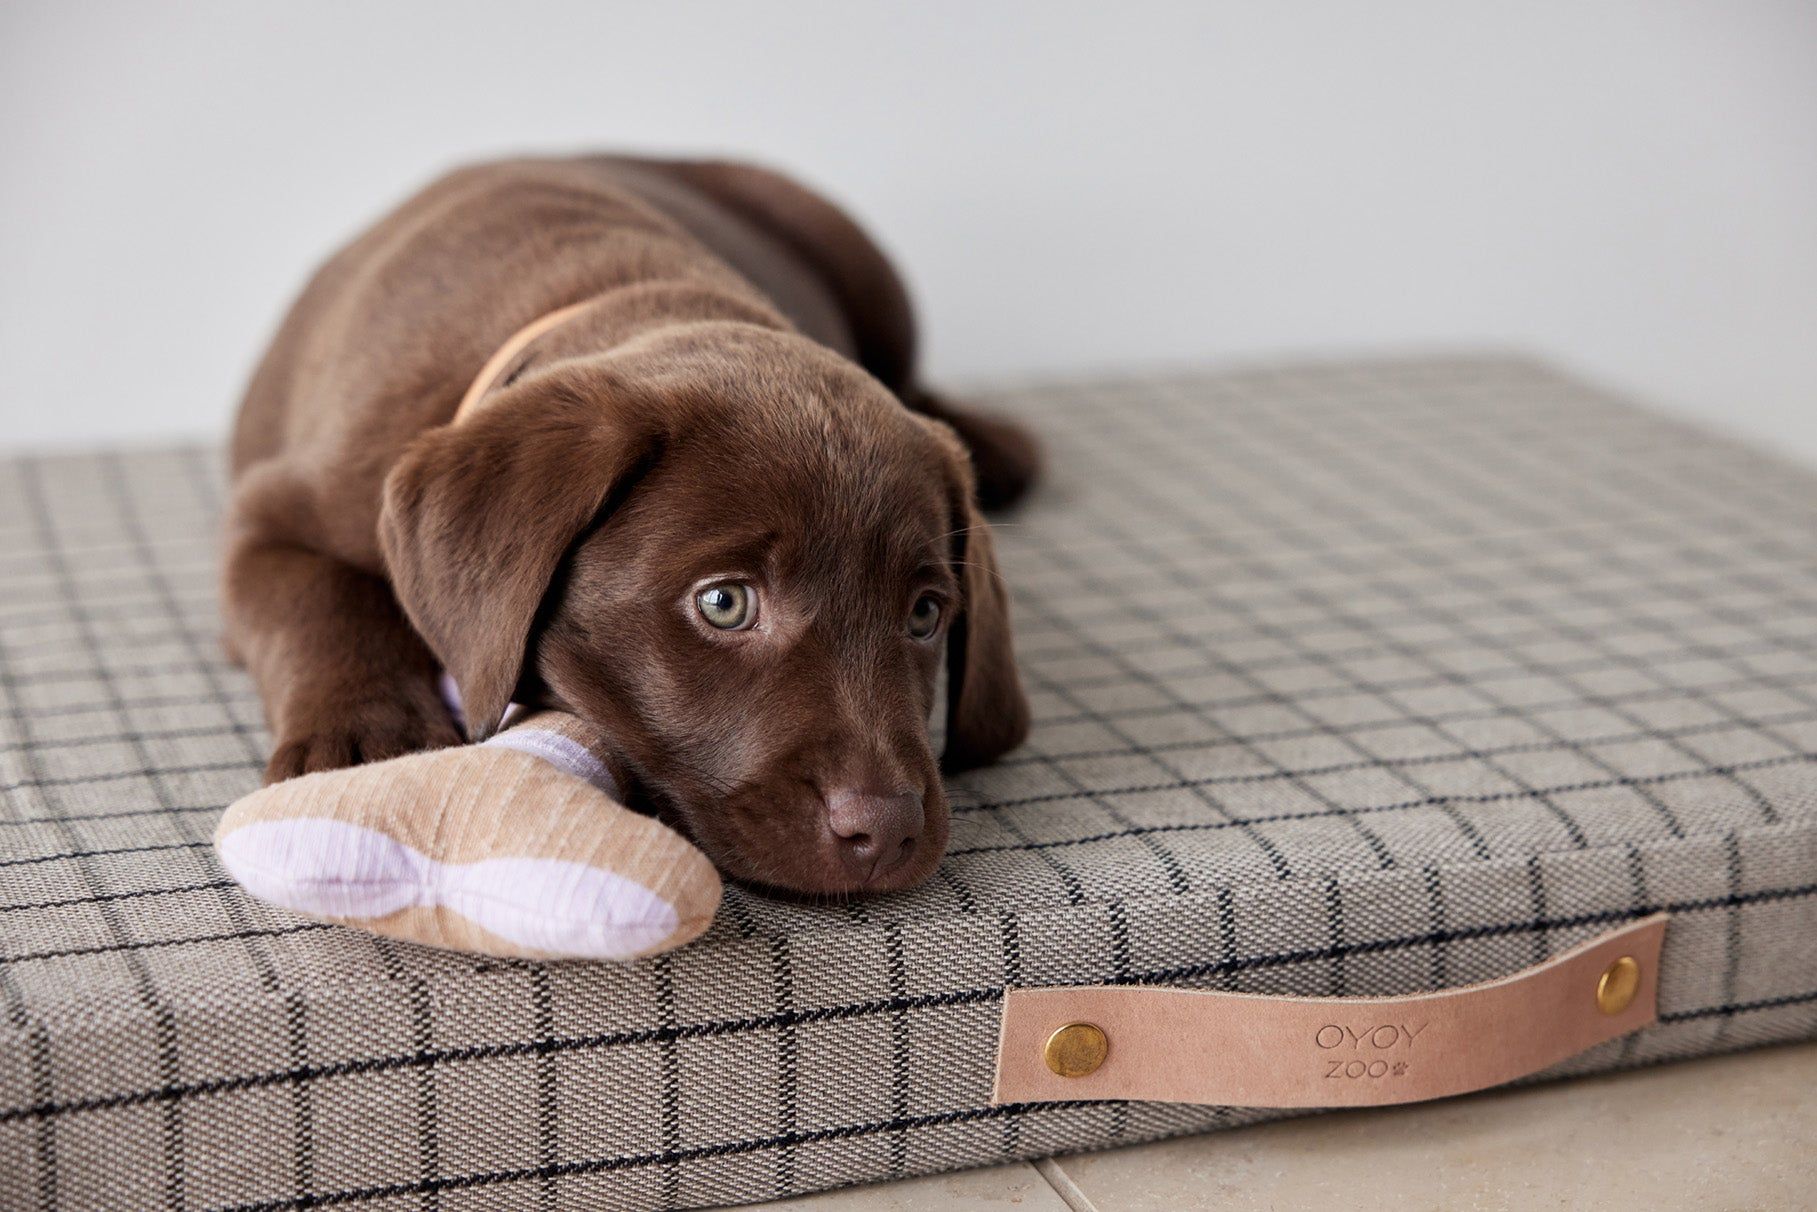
(514, 847)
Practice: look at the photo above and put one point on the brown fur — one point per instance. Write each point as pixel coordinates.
(731, 403)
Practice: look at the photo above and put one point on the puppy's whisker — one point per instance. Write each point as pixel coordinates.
(942, 538)
(995, 573)
(951, 534)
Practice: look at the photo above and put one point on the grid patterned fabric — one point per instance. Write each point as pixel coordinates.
(1349, 679)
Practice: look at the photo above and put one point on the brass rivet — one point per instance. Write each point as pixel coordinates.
(1616, 988)
(1076, 1049)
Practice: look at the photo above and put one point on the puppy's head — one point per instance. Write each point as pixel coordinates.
(743, 558)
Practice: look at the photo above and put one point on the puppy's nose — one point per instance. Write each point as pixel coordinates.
(876, 833)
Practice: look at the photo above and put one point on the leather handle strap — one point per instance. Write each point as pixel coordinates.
(1245, 1050)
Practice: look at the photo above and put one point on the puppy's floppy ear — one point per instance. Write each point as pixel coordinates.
(986, 710)
(478, 516)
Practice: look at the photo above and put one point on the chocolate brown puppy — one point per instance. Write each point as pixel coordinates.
(710, 508)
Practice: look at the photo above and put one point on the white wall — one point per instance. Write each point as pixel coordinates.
(1631, 188)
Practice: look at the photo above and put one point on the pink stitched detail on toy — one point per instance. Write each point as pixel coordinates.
(341, 870)
(323, 866)
(560, 752)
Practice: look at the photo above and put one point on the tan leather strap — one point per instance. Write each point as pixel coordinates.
(502, 356)
(1244, 1050)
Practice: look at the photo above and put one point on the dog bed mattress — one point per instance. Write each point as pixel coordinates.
(1350, 679)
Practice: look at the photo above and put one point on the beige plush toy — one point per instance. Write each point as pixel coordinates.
(514, 847)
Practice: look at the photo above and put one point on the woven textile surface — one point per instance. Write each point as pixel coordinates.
(1349, 678)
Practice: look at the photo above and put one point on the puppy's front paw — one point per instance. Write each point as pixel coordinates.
(353, 733)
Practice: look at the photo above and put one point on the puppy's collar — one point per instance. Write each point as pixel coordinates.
(488, 374)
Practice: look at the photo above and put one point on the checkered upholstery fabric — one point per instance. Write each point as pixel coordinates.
(1349, 679)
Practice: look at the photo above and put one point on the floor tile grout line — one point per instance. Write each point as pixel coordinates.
(1062, 1184)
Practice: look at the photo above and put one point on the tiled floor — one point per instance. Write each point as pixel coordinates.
(1733, 1132)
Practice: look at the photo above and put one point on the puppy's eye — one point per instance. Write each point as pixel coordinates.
(924, 617)
(728, 605)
